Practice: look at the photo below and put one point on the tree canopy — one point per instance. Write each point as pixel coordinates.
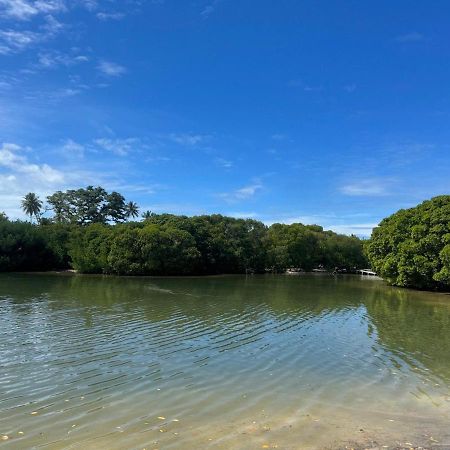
(411, 248)
(32, 206)
(90, 205)
(87, 229)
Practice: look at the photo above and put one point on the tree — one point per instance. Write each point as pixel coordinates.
(115, 208)
(147, 215)
(411, 248)
(90, 205)
(60, 204)
(132, 210)
(153, 250)
(32, 206)
(89, 248)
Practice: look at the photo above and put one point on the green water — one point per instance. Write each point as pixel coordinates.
(288, 362)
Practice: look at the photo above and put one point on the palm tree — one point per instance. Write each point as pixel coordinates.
(31, 206)
(147, 215)
(131, 210)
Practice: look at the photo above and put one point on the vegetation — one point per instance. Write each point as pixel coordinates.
(411, 248)
(90, 205)
(32, 206)
(87, 229)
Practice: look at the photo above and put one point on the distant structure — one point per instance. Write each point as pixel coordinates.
(367, 272)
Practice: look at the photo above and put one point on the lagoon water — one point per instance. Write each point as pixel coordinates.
(229, 362)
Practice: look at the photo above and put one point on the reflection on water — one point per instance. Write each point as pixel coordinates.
(221, 362)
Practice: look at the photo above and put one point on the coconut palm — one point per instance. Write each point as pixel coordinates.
(32, 206)
(147, 215)
(131, 210)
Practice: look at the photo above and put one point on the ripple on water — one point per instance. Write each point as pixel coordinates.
(229, 362)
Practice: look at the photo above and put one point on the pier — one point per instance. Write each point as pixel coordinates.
(367, 272)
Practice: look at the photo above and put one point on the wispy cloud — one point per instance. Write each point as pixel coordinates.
(210, 8)
(14, 41)
(71, 148)
(120, 147)
(25, 9)
(242, 193)
(53, 59)
(188, 139)
(225, 163)
(411, 37)
(111, 69)
(369, 187)
(279, 137)
(103, 15)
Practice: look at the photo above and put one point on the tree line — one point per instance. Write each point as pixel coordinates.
(94, 231)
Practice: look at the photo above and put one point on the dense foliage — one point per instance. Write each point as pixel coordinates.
(90, 205)
(88, 232)
(411, 248)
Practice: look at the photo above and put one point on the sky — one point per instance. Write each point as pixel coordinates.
(328, 112)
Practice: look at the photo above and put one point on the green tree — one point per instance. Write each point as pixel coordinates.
(63, 209)
(411, 248)
(115, 208)
(147, 215)
(89, 248)
(132, 210)
(31, 205)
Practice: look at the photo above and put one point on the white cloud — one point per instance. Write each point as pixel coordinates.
(19, 176)
(370, 187)
(12, 41)
(226, 164)
(358, 229)
(243, 215)
(247, 191)
(72, 148)
(210, 8)
(242, 193)
(111, 69)
(25, 9)
(343, 224)
(120, 147)
(279, 137)
(188, 139)
(90, 5)
(52, 59)
(110, 16)
(12, 157)
(410, 37)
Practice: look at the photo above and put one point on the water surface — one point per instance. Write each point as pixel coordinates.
(288, 362)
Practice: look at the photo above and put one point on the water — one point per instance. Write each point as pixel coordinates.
(288, 362)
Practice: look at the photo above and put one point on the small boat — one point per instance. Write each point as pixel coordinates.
(294, 270)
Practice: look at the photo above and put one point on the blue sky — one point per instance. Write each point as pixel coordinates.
(328, 112)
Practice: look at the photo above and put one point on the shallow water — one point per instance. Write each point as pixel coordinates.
(288, 362)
